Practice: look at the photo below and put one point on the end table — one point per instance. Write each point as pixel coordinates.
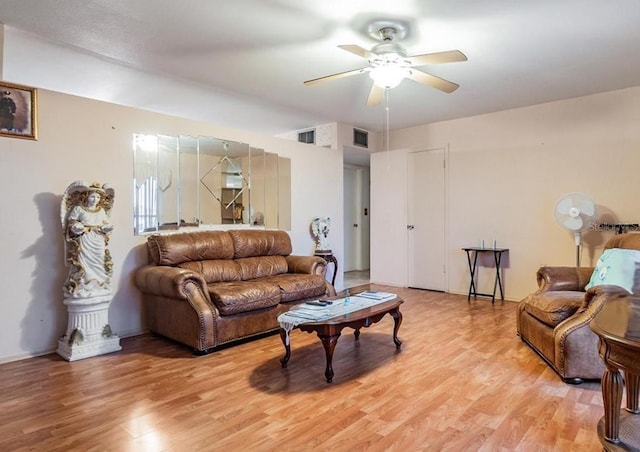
(617, 328)
(473, 267)
(328, 256)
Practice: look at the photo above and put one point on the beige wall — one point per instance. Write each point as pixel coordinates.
(506, 171)
(91, 140)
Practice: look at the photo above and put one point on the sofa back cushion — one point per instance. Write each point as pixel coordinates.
(261, 266)
(175, 249)
(630, 241)
(248, 243)
(217, 270)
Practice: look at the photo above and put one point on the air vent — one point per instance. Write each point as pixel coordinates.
(361, 138)
(308, 136)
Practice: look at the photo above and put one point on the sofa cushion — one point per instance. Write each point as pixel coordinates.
(295, 287)
(248, 243)
(615, 266)
(243, 296)
(630, 241)
(259, 267)
(174, 249)
(215, 270)
(553, 307)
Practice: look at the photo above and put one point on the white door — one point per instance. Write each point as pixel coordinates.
(351, 220)
(426, 220)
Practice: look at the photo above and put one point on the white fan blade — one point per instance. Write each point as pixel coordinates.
(337, 76)
(564, 205)
(432, 80)
(357, 50)
(375, 95)
(450, 56)
(573, 223)
(587, 207)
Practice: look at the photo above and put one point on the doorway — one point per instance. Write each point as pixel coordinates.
(356, 219)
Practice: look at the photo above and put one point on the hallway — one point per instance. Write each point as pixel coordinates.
(356, 278)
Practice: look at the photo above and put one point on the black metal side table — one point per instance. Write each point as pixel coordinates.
(328, 256)
(472, 259)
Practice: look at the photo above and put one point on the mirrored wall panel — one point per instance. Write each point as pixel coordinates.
(186, 181)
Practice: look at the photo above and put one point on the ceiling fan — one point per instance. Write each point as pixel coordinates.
(389, 65)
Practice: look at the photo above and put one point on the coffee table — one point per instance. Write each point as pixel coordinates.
(329, 330)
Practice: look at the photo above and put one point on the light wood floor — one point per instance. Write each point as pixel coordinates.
(462, 382)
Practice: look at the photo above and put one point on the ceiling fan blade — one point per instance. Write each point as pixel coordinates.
(337, 76)
(375, 95)
(432, 80)
(450, 56)
(357, 50)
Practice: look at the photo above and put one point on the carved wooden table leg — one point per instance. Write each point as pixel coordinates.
(287, 347)
(397, 320)
(612, 398)
(633, 388)
(356, 333)
(329, 344)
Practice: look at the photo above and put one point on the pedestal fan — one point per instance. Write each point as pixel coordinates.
(575, 211)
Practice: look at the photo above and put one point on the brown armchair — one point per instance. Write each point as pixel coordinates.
(554, 320)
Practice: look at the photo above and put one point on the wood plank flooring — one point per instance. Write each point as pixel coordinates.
(463, 381)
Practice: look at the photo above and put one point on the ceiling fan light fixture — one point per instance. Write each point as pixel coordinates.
(389, 63)
(388, 75)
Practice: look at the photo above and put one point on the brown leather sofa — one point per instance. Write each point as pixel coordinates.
(209, 288)
(554, 320)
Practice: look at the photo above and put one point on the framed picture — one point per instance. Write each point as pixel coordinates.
(18, 111)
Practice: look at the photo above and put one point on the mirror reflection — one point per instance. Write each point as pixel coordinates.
(187, 181)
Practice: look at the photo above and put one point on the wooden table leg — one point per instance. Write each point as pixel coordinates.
(612, 385)
(356, 333)
(397, 320)
(287, 347)
(633, 387)
(329, 344)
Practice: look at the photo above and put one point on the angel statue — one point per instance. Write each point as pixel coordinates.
(85, 213)
(320, 230)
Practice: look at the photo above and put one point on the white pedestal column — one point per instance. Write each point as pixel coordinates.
(88, 331)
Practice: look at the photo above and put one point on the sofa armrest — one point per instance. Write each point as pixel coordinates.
(313, 265)
(563, 278)
(573, 336)
(171, 282)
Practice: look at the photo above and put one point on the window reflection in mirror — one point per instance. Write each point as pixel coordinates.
(190, 181)
(155, 182)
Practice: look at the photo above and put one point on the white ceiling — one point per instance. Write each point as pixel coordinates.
(258, 52)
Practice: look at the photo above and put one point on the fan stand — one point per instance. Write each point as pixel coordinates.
(578, 238)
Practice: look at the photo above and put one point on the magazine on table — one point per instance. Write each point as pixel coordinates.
(375, 295)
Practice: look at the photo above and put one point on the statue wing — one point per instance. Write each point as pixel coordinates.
(110, 195)
(315, 227)
(71, 198)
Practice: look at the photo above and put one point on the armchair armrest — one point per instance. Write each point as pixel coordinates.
(171, 282)
(313, 265)
(576, 346)
(563, 278)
